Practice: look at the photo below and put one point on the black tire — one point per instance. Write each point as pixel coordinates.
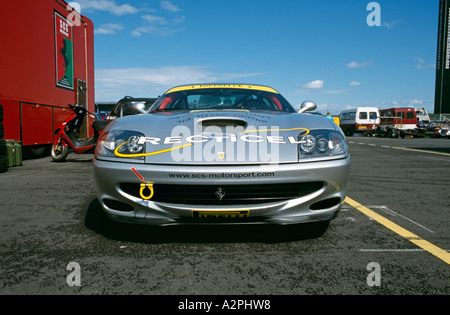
(97, 220)
(39, 150)
(379, 133)
(2, 147)
(2, 130)
(349, 132)
(59, 156)
(392, 133)
(1, 113)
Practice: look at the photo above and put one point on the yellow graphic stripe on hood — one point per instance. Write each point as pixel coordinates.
(222, 86)
(116, 151)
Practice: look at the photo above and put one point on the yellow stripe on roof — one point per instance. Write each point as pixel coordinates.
(222, 86)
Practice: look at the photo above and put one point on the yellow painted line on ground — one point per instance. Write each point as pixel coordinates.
(422, 151)
(413, 238)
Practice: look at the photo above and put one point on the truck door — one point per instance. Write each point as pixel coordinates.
(362, 120)
(374, 119)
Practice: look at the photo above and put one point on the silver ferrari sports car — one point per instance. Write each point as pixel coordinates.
(221, 154)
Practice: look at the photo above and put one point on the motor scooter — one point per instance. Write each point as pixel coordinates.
(66, 135)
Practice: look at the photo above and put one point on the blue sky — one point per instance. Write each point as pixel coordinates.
(320, 50)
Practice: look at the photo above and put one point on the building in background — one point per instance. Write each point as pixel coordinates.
(442, 96)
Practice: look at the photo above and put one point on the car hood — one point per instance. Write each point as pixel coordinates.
(218, 137)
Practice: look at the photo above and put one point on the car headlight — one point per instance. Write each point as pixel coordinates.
(120, 143)
(322, 144)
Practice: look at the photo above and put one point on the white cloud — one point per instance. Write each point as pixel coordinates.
(421, 64)
(169, 6)
(424, 67)
(113, 84)
(158, 25)
(390, 25)
(107, 5)
(415, 102)
(356, 65)
(154, 19)
(109, 28)
(152, 24)
(354, 83)
(320, 108)
(314, 85)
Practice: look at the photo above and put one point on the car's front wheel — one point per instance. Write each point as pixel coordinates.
(317, 229)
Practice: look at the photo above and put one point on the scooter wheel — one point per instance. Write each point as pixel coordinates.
(59, 155)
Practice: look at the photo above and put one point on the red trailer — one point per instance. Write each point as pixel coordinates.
(46, 63)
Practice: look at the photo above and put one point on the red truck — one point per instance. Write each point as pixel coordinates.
(46, 63)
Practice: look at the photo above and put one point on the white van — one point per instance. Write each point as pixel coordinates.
(363, 120)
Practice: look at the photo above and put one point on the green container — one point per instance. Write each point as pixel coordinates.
(13, 153)
(10, 153)
(18, 153)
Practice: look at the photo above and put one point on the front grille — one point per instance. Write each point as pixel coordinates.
(225, 194)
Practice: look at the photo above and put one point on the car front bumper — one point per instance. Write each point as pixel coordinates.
(321, 190)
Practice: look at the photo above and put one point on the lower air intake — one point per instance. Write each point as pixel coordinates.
(225, 194)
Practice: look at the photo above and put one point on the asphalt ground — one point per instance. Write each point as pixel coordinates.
(391, 238)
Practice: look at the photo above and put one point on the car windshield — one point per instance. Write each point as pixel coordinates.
(222, 99)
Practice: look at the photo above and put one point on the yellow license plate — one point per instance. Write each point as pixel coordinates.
(220, 214)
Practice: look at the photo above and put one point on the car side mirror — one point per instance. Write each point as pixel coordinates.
(138, 108)
(307, 106)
